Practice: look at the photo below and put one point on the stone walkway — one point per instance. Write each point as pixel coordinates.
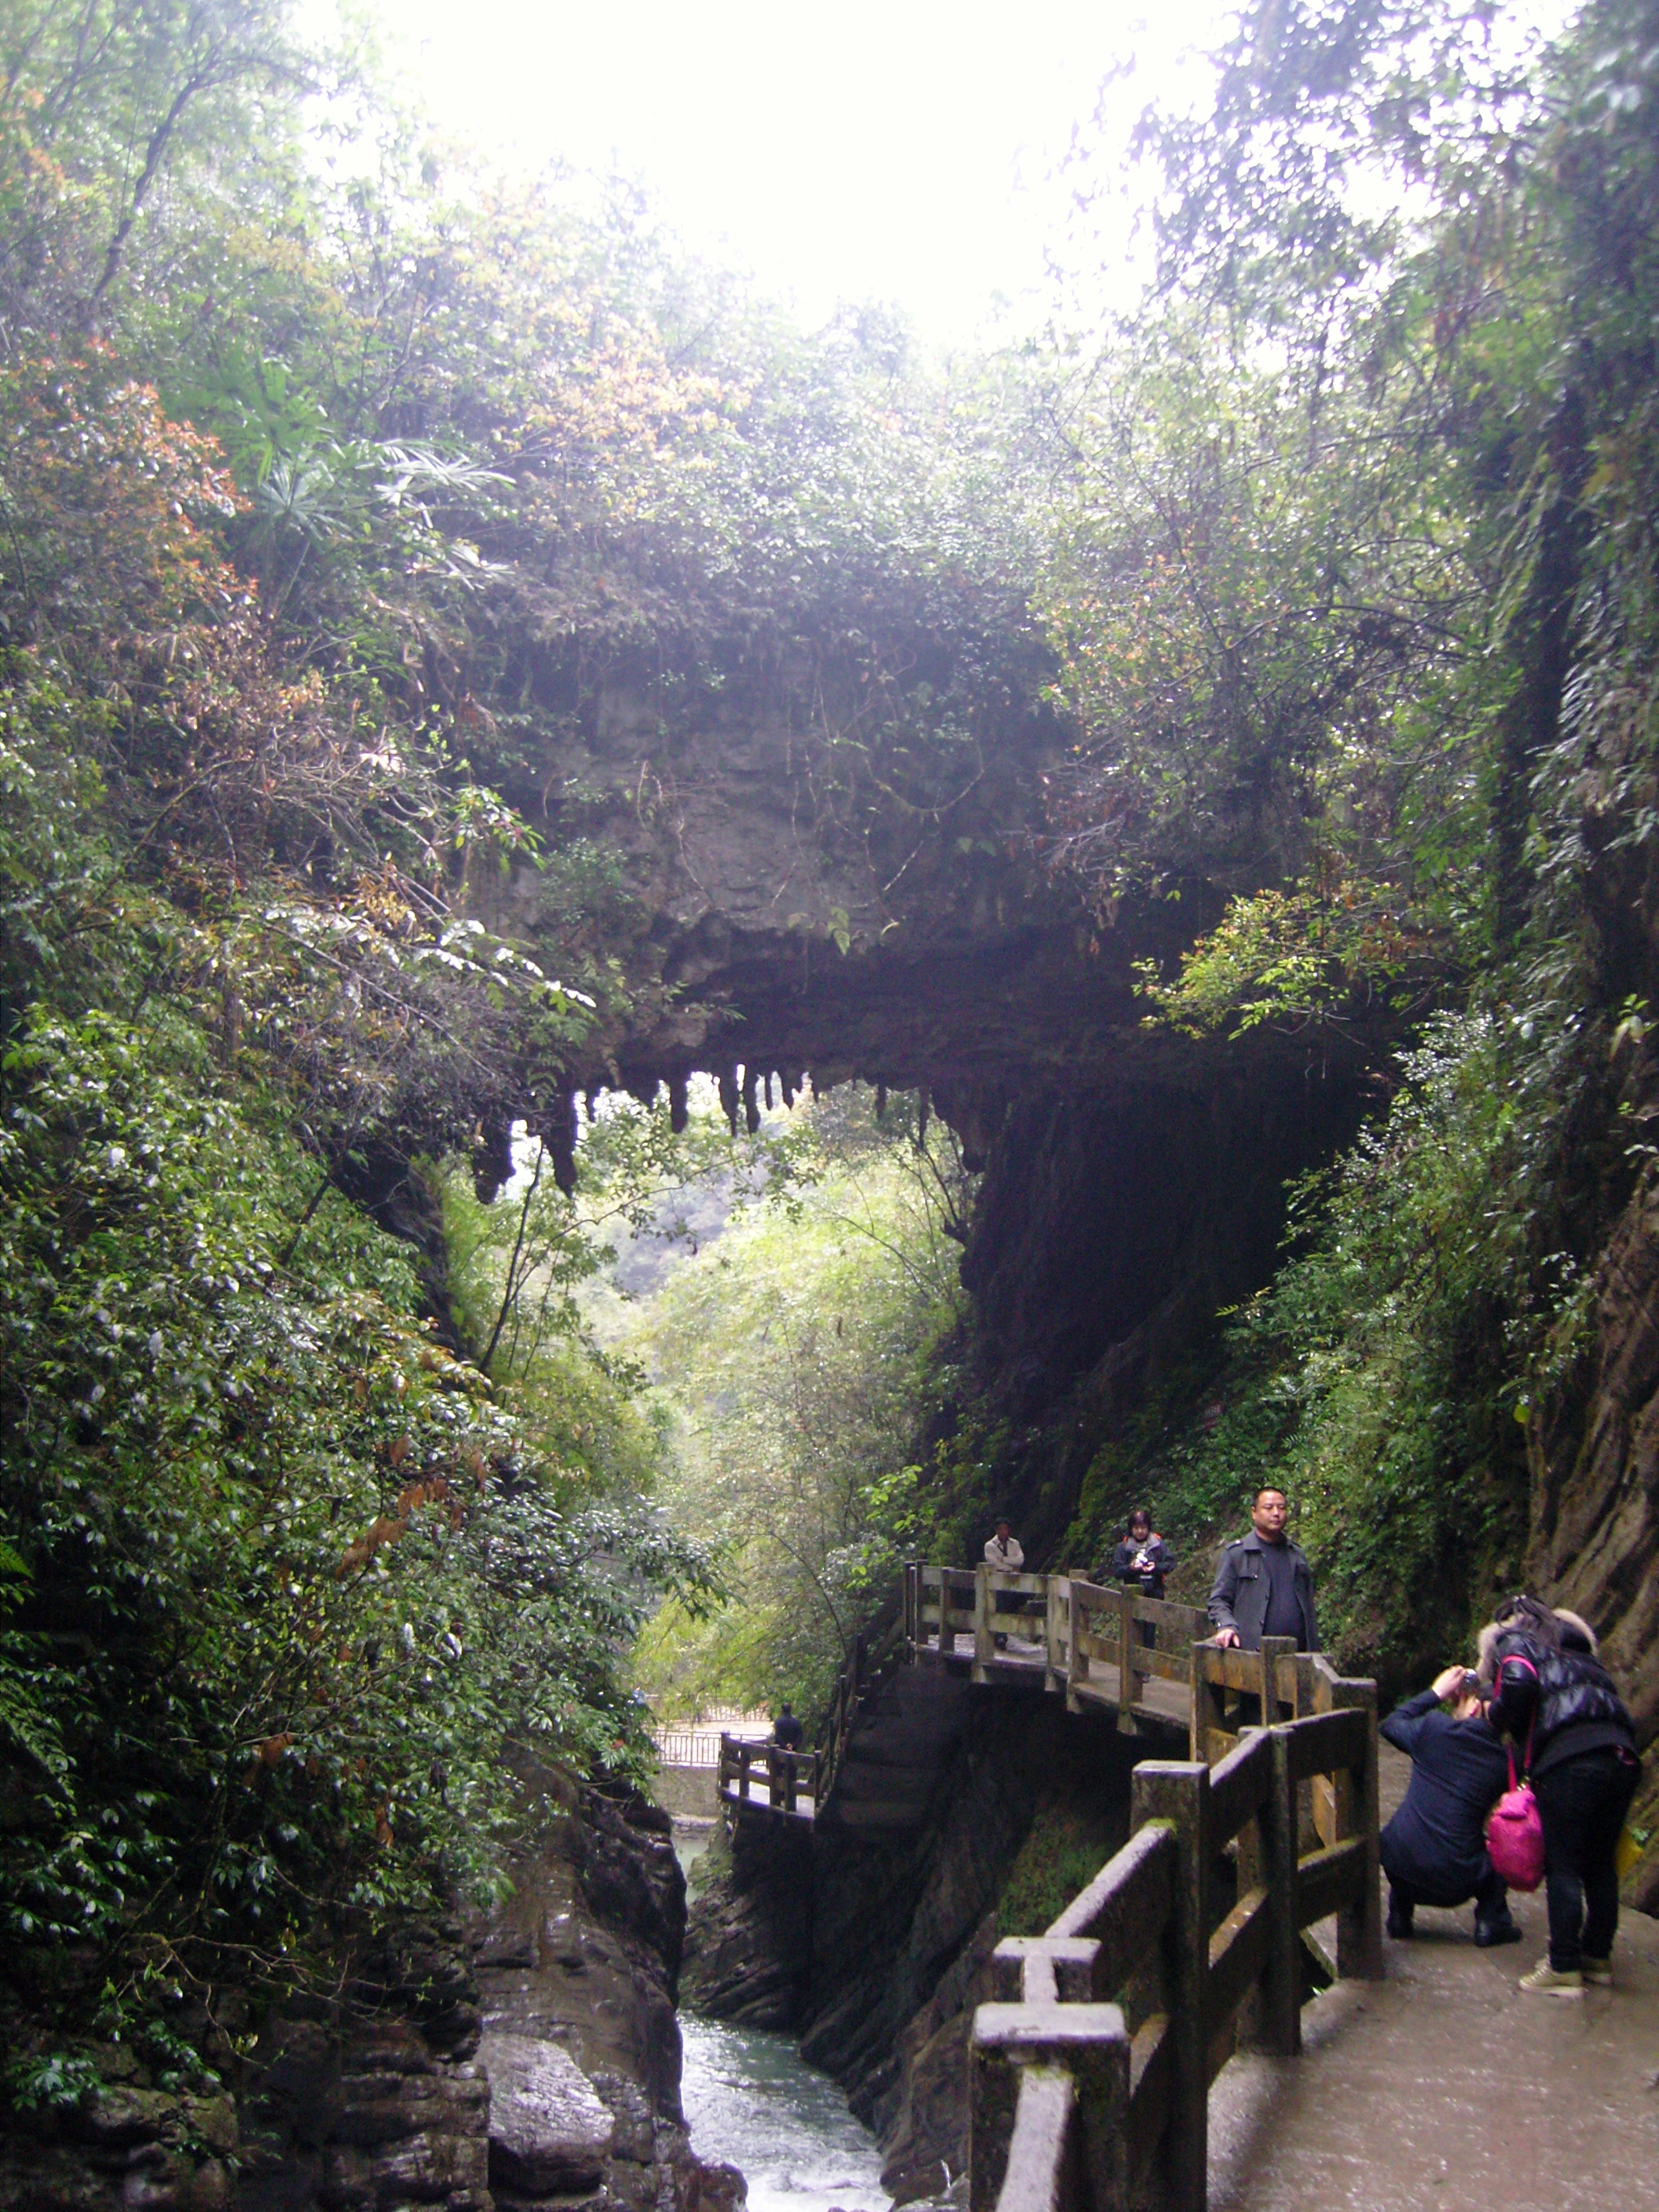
(1443, 2087)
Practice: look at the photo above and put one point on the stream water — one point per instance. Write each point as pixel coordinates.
(752, 2101)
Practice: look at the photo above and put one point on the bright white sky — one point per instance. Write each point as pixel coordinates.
(907, 151)
(901, 150)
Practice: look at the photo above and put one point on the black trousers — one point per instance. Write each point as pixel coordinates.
(1582, 1803)
(1490, 1894)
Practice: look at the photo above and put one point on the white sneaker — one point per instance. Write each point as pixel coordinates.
(1544, 1981)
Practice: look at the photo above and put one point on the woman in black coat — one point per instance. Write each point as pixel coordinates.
(1142, 1560)
(1556, 1704)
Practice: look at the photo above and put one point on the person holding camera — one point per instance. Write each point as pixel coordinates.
(1141, 1561)
(1142, 1558)
(1434, 1848)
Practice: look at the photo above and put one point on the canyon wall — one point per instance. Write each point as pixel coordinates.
(777, 910)
(520, 2058)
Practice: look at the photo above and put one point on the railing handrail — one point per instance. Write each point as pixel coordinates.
(1083, 1622)
(1072, 2005)
(786, 1773)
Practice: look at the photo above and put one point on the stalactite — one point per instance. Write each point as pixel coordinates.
(590, 1100)
(492, 1157)
(561, 1135)
(750, 1103)
(678, 1112)
(767, 1088)
(791, 1081)
(728, 1089)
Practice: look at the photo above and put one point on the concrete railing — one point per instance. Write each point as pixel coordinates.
(1092, 2070)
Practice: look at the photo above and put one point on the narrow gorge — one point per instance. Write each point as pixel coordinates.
(661, 956)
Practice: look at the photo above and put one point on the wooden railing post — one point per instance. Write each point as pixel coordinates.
(1126, 1664)
(1360, 1925)
(1077, 1659)
(1058, 1598)
(1274, 1650)
(984, 1648)
(1282, 1982)
(1036, 2145)
(1206, 1714)
(1179, 1794)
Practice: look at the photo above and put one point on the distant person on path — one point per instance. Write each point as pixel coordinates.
(1003, 1553)
(1141, 1561)
(1264, 1585)
(1556, 1704)
(1434, 1850)
(787, 1730)
(1143, 1556)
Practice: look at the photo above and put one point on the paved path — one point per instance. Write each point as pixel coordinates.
(1443, 2087)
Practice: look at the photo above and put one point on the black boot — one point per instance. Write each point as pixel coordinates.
(1494, 1925)
(1399, 1914)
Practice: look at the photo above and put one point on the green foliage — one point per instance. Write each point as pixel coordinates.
(790, 1355)
(1356, 605)
(291, 1590)
(327, 513)
(57, 2082)
(1064, 1849)
(1381, 1379)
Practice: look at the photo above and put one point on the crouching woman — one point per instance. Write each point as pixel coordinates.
(1434, 1848)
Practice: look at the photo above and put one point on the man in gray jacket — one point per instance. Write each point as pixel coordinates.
(1264, 1585)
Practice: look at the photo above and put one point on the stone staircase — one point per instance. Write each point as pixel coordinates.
(900, 1742)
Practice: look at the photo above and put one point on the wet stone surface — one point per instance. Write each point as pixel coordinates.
(1444, 2085)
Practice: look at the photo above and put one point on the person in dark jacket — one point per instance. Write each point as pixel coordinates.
(1434, 1848)
(1141, 1561)
(1264, 1585)
(1143, 1558)
(1556, 1702)
(786, 1731)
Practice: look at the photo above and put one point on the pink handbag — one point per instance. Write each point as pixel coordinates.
(1514, 1834)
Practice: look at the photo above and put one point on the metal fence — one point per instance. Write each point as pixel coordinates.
(697, 1743)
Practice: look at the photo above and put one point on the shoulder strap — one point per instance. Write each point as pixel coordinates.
(1520, 1659)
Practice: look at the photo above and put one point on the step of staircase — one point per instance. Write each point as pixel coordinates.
(897, 1785)
(874, 1820)
(899, 1745)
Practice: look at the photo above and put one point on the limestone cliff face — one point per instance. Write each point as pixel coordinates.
(1594, 1456)
(1594, 1445)
(528, 2059)
(782, 901)
(1595, 1464)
